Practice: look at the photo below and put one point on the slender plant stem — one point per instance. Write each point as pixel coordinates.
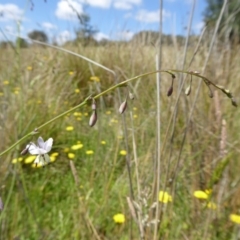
(122, 84)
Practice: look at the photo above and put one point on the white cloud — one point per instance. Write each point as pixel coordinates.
(99, 3)
(151, 16)
(100, 36)
(68, 10)
(124, 35)
(198, 27)
(63, 37)
(49, 26)
(126, 4)
(10, 12)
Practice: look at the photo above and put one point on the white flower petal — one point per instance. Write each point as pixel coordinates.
(33, 149)
(48, 145)
(40, 142)
(46, 158)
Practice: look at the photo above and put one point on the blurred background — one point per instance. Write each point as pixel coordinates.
(87, 190)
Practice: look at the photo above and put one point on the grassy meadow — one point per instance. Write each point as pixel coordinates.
(86, 184)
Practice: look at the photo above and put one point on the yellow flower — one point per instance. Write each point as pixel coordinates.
(89, 152)
(77, 90)
(95, 79)
(134, 109)
(77, 114)
(235, 218)
(77, 146)
(164, 197)
(16, 92)
(66, 150)
(212, 205)
(85, 114)
(29, 68)
(123, 152)
(34, 165)
(114, 120)
(52, 158)
(1, 94)
(6, 82)
(103, 142)
(29, 159)
(69, 128)
(108, 112)
(201, 194)
(119, 218)
(15, 160)
(71, 73)
(71, 155)
(135, 116)
(55, 154)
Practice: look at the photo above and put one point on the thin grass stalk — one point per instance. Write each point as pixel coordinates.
(158, 124)
(139, 219)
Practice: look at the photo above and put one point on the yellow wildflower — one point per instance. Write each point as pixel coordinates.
(15, 160)
(164, 197)
(85, 114)
(95, 79)
(135, 116)
(77, 146)
(108, 112)
(52, 158)
(77, 90)
(29, 159)
(119, 218)
(71, 155)
(55, 154)
(123, 152)
(6, 82)
(235, 218)
(201, 194)
(66, 150)
(77, 114)
(89, 152)
(29, 68)
(71, 73)
(212, 205)
(103, 142)
(134, 109)
(69, 128)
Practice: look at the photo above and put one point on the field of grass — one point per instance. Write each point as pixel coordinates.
(87, 183)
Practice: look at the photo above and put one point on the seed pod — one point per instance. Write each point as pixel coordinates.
(234, 103)
(93, 119)
(25, 150)
(188, 90)
(94, 105)
(170, 91)
(131, 96)
(123, 107)
(210, 93)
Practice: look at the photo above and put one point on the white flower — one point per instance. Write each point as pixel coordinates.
(41, 149)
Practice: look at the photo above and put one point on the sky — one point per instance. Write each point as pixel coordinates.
(114, 19)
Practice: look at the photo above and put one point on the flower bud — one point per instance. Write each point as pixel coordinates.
(188, 90)
(25, 150)
(170, 91)
(94, 105)
(123, 107)
(234, 103)
(93, 119)
(131, 96)
(210, 93)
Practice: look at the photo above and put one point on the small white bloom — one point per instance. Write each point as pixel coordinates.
(41, 149)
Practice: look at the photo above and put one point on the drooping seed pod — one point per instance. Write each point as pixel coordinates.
(123, 107)
(94, 105)
(210, 93)
(93, 119)
(170, 91)
(234, 103)
(25, 150)
(188, 90)
(131, 96)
